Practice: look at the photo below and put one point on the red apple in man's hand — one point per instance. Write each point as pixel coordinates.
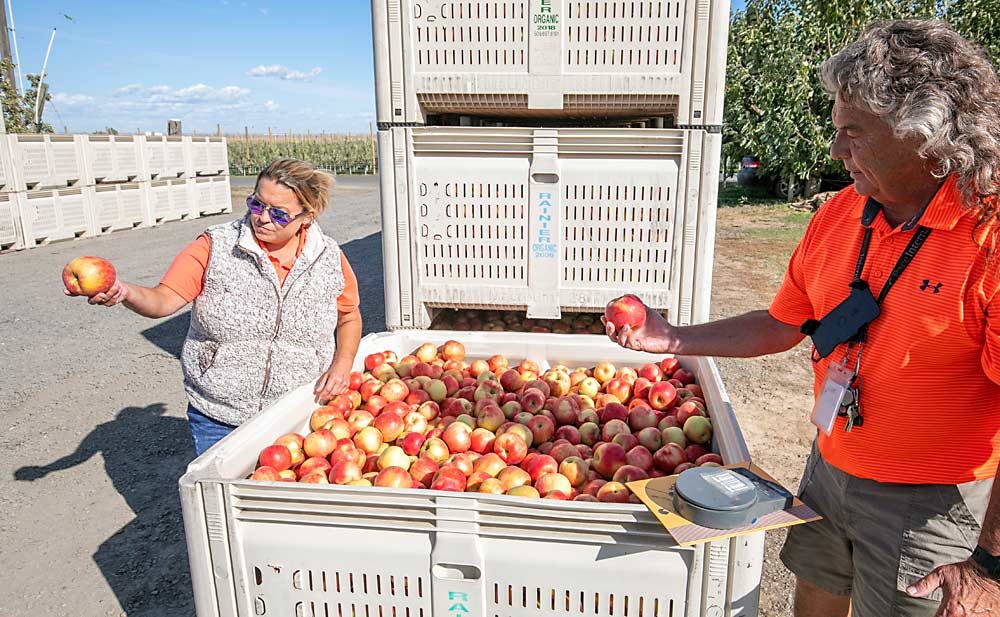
(627, 310)
(88, 276)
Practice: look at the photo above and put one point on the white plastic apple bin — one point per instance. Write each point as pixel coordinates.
(51, 215)
(170, 200)
(546, 220)
(121, 206)
(114, 158)
(11, 235)
(550, 58)
(208, 156)
(46, 162)
(210, 196)
(286, 549)
(165, 157)
(8, 181)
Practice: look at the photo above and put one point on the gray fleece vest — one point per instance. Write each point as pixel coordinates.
(251, 340)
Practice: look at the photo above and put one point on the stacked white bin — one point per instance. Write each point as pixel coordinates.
(48, 184)
(513, 176)
(549, 156)
(59, 187)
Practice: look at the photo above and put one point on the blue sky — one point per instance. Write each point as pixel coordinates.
(303, 65)
(293, 66)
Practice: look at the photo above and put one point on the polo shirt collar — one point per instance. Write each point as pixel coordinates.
(944, 210)
(310, 248)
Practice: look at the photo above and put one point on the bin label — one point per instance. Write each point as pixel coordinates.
(457, 608)
(542, 245)
(546, 21)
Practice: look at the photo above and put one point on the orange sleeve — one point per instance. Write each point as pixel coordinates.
(350, 299)
(186, 275)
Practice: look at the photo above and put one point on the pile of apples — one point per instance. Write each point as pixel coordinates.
(431, 420)
(516, 321)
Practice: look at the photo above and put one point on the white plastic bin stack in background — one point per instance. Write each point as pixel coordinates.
(547, 219)
(69, 186)
(121, 206)
(165, 157)
(207, 156)
(261, 548)
(11, 231)
(114, 158)
(550, 58)
(210, 196)
(8, 179)
(170, 200)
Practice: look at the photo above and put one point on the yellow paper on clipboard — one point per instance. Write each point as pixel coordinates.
(657, 495)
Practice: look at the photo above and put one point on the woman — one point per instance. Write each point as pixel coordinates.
(275, 304)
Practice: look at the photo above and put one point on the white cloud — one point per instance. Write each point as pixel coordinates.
(270, 105)
(283, 72)
(72, 100)
(129, 89)
(197, 93)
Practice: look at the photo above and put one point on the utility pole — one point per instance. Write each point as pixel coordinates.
(42, 88)
(43, 92)
(8, 73)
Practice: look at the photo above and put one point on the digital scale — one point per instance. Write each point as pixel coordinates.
(722, 498)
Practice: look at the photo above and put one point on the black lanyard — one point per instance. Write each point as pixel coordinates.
(904, 260)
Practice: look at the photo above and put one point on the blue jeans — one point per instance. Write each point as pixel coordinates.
(205, 431)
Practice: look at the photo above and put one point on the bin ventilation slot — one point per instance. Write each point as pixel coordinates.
(546, 601)
(353, 609)
(620, 35)
(334, 582)
(617, 234)
(474, 34)
(473, 231)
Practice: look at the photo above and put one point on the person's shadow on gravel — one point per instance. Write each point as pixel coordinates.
(145, 453)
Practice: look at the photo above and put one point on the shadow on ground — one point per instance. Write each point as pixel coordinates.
(144, 453)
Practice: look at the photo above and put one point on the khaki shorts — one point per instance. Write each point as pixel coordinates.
(878, 538)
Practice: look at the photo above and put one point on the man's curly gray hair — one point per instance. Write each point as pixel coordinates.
(925, 80)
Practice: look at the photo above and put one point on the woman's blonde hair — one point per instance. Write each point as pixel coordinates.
(310, 185)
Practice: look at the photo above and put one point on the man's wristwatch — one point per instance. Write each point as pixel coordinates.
(988, 562)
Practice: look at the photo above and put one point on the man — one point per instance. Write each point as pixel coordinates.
(906, 259)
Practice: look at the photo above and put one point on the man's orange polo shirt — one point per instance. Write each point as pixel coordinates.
(931, 367)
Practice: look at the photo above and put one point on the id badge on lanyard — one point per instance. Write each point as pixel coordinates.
(839, 390)
(840, 394)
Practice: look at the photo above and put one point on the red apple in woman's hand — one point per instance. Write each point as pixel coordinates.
(88, 276)
(627, 310)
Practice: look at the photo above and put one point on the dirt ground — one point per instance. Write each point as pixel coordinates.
(93, 410)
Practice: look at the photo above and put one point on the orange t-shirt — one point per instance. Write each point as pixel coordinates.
(930, 370)
(186, 275)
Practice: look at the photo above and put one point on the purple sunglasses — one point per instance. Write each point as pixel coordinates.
(279, 216)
